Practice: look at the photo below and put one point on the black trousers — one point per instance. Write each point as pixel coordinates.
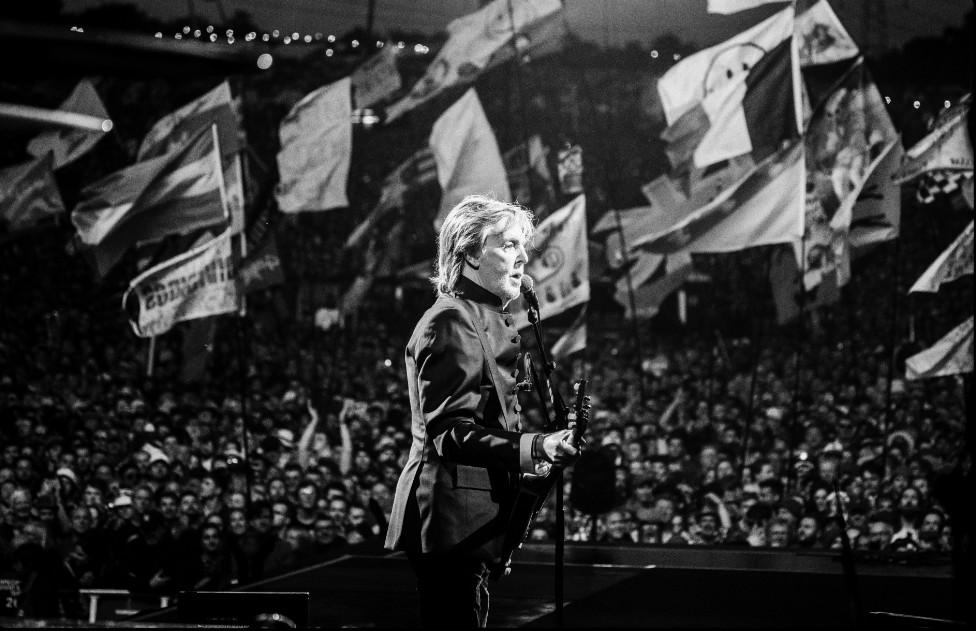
(453, 591)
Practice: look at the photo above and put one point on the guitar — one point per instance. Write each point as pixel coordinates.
(535, 490)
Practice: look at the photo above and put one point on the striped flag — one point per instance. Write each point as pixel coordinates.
(28, 194)
(952, 355)
(176, 193)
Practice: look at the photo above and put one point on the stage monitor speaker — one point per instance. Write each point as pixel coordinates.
(257, 610)
(593, 488)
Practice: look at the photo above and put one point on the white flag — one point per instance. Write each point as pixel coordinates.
(198, 283)
(467, 155)
(472, 41)
(876, 215)
(954, 262)
(316, 145)
(67, 145)
(558, 262)
(952, 355)
(693, 78)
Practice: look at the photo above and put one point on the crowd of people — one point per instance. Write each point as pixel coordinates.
(724, 430)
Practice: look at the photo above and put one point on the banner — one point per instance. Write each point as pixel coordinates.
(467, 156)
(199, 283)
(955, 262)
(569, 168)
(316, 146)
(472, 41)
(558, 262)
(176, 193)
(947, 147)
(67, 145)
(952, 355)
(763, 208)
(28, 194)
(789, 295)
(376, 78)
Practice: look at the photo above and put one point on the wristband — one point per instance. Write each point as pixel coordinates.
(538, 453)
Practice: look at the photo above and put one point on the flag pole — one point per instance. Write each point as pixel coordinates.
(151, 357)
(892, 334)
(795, 404)
(750, 406)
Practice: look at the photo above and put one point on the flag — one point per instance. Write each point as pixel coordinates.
(28, 194)
(67, 145)
(947, 147)
(467, 156)
(789, 294)
(216, 107)
(573, 339)
(762, 208)
(694, 78)
(569, 168)
(876, 215)
(316, 145)
(472, 41)
(559, 262)
(528, 173)
(176, 193)
(196, 284)
(734, 6)
(648, 296)
(822, 38)
(635, 223)
(934, 184)
(198, 345)
(952, 355)
(849, 135)
(417, 170)
(261, 268)
(376, 78)
(954, 262)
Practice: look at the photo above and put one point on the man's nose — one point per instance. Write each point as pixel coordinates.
(522, 254)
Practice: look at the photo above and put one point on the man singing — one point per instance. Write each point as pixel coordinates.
(468, 451)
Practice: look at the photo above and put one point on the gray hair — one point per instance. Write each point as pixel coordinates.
(465, 230)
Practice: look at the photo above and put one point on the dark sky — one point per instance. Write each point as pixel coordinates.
(602, 21)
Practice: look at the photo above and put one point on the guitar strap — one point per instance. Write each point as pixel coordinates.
(493, 372)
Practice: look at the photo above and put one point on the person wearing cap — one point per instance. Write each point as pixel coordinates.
(468, 447)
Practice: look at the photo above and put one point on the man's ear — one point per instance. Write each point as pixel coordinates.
(471, 260)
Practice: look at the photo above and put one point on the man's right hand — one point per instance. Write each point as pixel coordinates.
(559, 448)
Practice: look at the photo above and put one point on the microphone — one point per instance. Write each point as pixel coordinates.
(528, 292)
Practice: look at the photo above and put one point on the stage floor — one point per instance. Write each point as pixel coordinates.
(620, 587)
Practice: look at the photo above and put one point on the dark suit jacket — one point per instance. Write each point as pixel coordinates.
(468, 450)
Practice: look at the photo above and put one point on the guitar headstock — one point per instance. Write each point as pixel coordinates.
(581, 408)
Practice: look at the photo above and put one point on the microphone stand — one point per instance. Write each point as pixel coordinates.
(562, 415)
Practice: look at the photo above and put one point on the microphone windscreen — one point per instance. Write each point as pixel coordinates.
(528, 284)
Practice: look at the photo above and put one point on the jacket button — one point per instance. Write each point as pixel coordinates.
(515, 373)
(508, 321)
(517, 407)
(516, 339)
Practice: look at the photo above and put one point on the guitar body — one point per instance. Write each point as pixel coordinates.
(534, 491)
